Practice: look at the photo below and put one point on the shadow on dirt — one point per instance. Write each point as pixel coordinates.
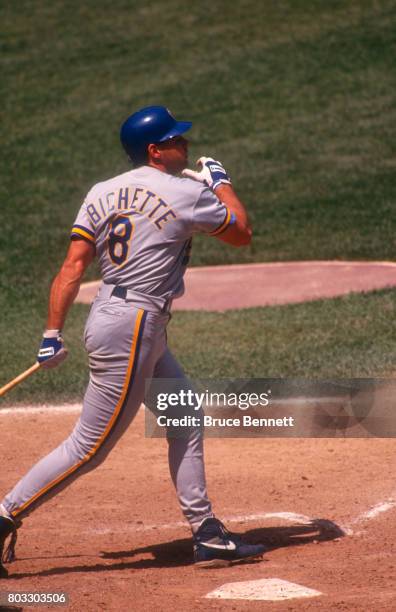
(178, 553)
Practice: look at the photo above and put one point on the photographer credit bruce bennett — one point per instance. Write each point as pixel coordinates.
(210, 421)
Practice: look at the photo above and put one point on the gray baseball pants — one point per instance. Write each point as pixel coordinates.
(126, 343)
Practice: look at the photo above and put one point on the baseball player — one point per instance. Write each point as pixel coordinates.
(140, 226)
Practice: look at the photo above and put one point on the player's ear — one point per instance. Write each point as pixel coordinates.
(154, 152)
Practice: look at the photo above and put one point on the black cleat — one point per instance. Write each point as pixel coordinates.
(7, 527)
(215, 546)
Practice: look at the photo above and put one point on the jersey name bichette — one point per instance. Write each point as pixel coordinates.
(142, 201)
(142, 223)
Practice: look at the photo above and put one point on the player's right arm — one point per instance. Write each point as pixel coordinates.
(234, 227)
(238, 233)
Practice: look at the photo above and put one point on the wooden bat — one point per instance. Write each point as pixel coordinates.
(18, 379)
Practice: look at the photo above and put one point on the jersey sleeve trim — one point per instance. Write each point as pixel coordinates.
(224, 225)
(83, 232)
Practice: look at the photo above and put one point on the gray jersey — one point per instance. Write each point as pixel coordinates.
(142, 223)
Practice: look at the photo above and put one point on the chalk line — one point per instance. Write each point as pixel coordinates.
(41, 409)
(370, 514)
(290, 517)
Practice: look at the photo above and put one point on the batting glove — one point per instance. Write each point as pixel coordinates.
(212, 173)
(51, 352)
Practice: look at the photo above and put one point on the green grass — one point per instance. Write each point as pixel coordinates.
(353, 336)
(297, 98)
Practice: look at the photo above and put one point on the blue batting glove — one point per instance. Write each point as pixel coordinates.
(212, 173)
(52, 351)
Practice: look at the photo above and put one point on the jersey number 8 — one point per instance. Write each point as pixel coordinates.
(118, 241)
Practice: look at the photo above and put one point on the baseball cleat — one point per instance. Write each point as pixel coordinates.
(215, 546)
(7, 527)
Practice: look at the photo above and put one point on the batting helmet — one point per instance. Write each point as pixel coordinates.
(151, 124)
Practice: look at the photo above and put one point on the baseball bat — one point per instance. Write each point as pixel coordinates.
(18, 379)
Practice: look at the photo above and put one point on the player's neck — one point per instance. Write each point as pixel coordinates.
(157, 166)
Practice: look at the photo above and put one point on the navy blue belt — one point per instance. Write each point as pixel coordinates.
(120, 292)
(160, 304)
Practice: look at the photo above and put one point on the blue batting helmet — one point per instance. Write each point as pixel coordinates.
(151, 124)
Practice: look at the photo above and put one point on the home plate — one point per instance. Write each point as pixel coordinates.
(268, 589)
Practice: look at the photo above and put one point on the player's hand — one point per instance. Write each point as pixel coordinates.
(52, 351)
(212, 173)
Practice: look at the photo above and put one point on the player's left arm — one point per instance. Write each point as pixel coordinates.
(63, 292)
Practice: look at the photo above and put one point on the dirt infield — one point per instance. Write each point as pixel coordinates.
(116, 540)
(248, 285)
